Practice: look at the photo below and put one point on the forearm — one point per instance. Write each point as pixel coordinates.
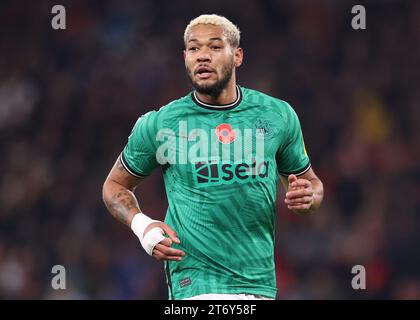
(120, 202)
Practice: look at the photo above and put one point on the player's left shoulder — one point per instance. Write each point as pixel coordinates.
(268, 102)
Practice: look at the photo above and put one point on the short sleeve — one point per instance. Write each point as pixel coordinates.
(292, 157)
(139, 155)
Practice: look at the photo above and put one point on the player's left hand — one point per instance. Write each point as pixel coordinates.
(300, 195)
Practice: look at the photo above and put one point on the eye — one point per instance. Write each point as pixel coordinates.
(192, 49)
(216, 47)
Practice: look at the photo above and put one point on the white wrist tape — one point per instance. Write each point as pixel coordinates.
(149, 240)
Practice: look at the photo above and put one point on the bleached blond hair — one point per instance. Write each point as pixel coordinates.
(230, 30)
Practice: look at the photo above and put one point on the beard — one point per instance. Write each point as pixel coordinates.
(215, 89)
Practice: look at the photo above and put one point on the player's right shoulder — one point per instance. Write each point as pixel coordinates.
(165, 113)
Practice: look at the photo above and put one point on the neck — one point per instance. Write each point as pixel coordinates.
(228, 95)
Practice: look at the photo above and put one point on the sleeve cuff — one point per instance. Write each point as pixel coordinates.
(129, 169)
(297, 172)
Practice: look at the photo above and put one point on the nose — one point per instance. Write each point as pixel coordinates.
(204, 55)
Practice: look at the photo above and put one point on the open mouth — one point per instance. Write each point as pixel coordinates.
(204, 72)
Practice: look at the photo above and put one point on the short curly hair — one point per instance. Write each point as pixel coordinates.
(230, 30)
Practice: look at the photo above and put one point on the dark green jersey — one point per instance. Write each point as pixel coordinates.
(221, 170)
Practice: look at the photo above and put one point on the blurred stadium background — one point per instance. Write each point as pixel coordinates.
(68, 101)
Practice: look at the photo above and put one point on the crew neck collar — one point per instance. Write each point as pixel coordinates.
(220, 107)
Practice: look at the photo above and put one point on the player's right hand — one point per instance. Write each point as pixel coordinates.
(163, 250)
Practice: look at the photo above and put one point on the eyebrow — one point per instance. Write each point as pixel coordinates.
(210, 39)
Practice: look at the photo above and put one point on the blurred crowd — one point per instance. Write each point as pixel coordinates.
(69, 98)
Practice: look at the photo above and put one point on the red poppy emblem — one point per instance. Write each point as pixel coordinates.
(225, 133)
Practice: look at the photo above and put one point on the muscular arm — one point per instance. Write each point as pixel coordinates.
(118, 196)
(304, 193)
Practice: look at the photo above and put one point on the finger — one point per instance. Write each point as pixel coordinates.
(291, 178)
(169, 251)
(301, 200)
(299, 207)
(158, 255)
(298, 188)
(301, 183)
(166, 242)
(299, 193)
(296, 203)
(161, 257)
(170, 232)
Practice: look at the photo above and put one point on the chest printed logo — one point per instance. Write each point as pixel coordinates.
(209, 172)
(265, 128)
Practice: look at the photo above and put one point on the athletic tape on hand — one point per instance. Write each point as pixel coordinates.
(151, 239)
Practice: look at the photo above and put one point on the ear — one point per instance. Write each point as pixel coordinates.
(238, 57)
(185, 53)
